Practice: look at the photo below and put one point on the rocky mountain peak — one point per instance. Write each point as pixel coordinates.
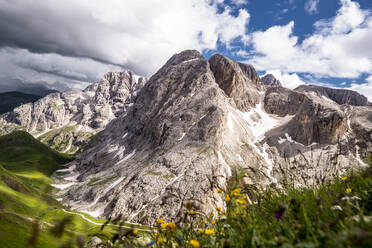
(340, 96)
(65, 121)
(270, 81)
(239, 81)
(197, 123)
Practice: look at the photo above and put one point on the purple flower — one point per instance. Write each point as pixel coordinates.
(280, 212)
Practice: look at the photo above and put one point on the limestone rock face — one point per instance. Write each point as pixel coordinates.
(66, 120)
(270, 81)
(340, 96)
(194, 125)
(239, 81)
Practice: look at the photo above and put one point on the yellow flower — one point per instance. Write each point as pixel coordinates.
(211, 215)
(344, 178)
(213, 222)
(202, 221)
(223, 212)
(164, 225)
(218, 209)
(192, 212)
(160, 221)
(219, 191)
(227, 198)
(188, 205)
(201, 230)
(348, 190)
(160, 241)
(235, 192)
(171, 225)
(241, 202)
(194, 243)
(245, 197)
(209, 232)
(135, 231)
(156, 234)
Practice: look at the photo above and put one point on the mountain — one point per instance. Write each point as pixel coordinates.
(340, 96)
(65, 121)
(270, 81)
(195, 126)
(38, 88)
(10, 100)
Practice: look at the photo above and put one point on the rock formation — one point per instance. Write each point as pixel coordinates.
(340, 96)
(65, 121)
(270, 81)
(195, 125)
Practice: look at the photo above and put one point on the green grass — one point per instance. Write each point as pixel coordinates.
(336, 214)
(25, 196)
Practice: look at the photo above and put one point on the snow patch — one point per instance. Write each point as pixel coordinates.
(259, 121)
(183, 135)
(63, 186)
(190, 60)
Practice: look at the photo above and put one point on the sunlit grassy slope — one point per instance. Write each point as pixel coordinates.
(25, 168)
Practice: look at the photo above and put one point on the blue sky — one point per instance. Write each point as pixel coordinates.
(74, 42)
(269, 13)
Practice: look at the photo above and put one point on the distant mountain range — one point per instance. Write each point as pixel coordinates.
(13, 99)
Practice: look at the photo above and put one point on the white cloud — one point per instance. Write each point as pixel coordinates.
(340, 47)
(311, 6)
(364, 89)
(239, 2)
(140, 35)
(20, 64)
(290, 81)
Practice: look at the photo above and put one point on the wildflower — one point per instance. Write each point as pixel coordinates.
(344, 178)
(160, 241)
(213, 222)
(348, 190)
(202, 221)
(192, 212)
(209, 231)
(164, 225)
(171, 226)
(241, 202)
(135, 231)
(200, 230)
(235, 192)
(280, 212)
(150, 243)
(211, 215)
(219, 191)
(223, 212)
(156, 234)
(218, 209)
(227, 198)
(245, 197)
(194, 243)
(188, 205)
(336, 207)
(353, 198)
(160, 221)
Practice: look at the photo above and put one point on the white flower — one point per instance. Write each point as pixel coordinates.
(336, 207)
(352, 198)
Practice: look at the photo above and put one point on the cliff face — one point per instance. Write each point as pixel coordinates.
(195, 125)
(340, 96)
(65, 121)
(270, 81)
(238, 81)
